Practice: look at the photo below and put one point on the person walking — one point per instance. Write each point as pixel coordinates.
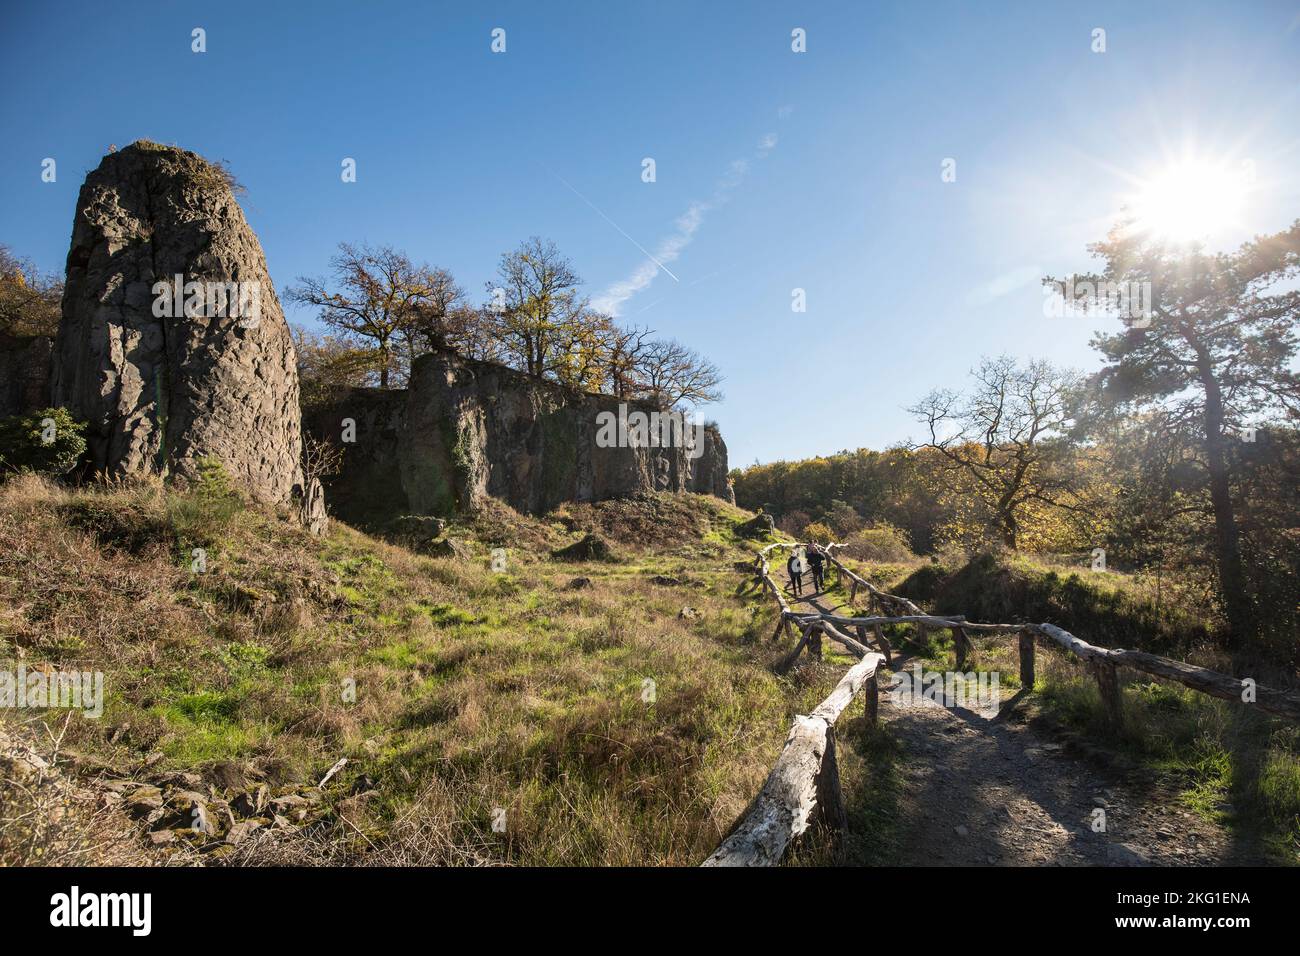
(794, 568)
(817, 561)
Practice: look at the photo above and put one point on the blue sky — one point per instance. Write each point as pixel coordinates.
(775, 170)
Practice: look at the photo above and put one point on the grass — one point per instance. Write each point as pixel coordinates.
(610, 727)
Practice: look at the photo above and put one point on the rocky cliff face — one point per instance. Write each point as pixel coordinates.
(24, 374)
(368, 424)
(167, 370)
(466, 430)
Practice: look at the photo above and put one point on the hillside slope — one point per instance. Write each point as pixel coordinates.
(559, 711)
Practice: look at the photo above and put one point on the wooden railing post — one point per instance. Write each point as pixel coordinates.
(830, 798)
(1111, 699)
(871, 694)
(961, 645)
(1027, 660)
(884, 644)
(880, 641)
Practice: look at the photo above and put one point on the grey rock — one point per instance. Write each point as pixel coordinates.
(448, 548)
(160, 393)
(591, 547)
(242, 831)
(417, 529)
(759, 526)
(144, 799)
(466, 430)
(312, 508)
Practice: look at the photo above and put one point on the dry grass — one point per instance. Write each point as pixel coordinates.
(46, 818)
(476, 692)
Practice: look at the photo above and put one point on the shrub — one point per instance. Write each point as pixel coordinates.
(818, 532)
(206, 509)
(880, 542)
(48, 442)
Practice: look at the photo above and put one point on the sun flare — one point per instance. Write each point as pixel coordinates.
(1190, 200)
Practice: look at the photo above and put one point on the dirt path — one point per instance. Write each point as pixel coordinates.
(982, 791)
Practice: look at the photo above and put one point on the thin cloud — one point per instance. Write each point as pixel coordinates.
(685, 227)
(1004, 285)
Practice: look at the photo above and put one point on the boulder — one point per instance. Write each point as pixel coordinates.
(759, 526)
(312, 509)
(447, 548)
(592, 547)
(168, 371)
(417, 530)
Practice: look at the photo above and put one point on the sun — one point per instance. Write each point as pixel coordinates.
(1190, 200)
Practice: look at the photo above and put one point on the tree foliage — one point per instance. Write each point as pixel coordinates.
(30, 302)
(1214, 364)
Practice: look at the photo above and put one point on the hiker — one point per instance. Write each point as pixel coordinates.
(817, 561)
(794, 568)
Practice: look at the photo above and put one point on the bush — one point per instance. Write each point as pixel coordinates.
(205, 510)
(880, 542)
(47, 442)
(818, 532)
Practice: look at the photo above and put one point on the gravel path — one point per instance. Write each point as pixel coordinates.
(982, 792)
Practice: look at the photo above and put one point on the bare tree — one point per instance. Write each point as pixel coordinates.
(626, 347)
(320, 458)
(379, 296)
(1007, 434)
(669, 374)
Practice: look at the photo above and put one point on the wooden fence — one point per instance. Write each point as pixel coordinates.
(805, 778)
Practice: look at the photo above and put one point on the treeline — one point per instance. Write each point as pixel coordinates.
(382, 311)
(1180, 458)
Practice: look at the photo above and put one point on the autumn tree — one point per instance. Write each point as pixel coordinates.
(536, 308)
(1008, 436)
(329, 365)
(1215, 357)
(378, 297)
(30, 302)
